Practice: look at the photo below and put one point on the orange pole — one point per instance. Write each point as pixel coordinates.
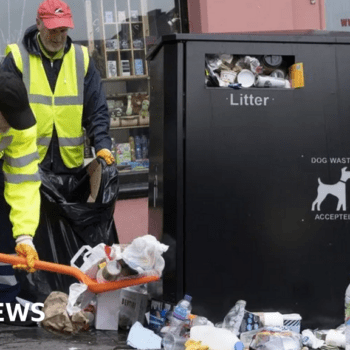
(92, 285)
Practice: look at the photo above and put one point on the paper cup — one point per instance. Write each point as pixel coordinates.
(246, 78)
(292, 322)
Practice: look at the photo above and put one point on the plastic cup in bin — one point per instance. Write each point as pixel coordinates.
(173, 342)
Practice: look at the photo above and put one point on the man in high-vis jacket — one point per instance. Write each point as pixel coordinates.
(64, 89)
(19, 185)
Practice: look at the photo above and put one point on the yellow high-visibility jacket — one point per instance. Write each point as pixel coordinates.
(63, 108)
(18, 150)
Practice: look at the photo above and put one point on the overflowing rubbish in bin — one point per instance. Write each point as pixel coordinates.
(260, 71)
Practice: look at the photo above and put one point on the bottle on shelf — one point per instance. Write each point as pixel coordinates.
(113, 148)
(129, 106)
(180, 315)
(132, 148)
(138, 149)
(144, 146)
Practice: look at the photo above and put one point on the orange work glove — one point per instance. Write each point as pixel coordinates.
(106, 155)
(25, 248)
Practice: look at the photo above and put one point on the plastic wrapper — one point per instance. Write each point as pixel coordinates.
(79, 298)
(233, 319)
(212, 65)
(215, 338)
(76, 210)
(252, 62)
(276, 338)
(310, 340)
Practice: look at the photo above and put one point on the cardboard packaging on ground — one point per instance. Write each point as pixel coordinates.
(120, 308)
(107, 310)
(133, 307)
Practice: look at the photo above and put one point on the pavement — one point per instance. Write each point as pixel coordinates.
(37, 338)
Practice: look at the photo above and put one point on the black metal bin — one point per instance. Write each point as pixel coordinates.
(232, 181)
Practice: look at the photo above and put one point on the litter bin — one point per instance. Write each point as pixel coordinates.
(234, 174)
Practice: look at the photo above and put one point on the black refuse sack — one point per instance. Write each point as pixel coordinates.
(76, 210)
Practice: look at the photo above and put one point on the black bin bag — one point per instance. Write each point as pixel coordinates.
(76, 210)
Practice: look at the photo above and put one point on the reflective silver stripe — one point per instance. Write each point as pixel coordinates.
(45, 100)
(21, 161)
(8, 280)
(67, 101)
(75, 100)
(71, 141)
(44, 141)
(33, 98)
(26, 70)
(5, 142)
(19, 178)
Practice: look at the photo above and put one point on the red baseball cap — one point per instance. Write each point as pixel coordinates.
(55, 14)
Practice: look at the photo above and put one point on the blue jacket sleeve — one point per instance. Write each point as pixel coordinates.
(96, 119)
(9, 65)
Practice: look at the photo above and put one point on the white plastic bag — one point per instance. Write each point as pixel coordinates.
(145, 254)
(92, 258)
(215, 338)
(79, 298)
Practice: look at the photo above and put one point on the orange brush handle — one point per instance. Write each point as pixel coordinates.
(93, 286)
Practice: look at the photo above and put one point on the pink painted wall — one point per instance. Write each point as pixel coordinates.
(131, 218)
(228, 16)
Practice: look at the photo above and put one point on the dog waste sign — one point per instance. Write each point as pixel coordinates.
(330, 202)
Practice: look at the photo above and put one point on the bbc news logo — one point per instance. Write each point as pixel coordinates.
(13, 311)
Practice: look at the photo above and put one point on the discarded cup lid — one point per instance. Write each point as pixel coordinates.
(246, 78)
(278, 73)
(273, 61)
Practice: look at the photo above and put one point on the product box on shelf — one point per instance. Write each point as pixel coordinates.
(123, 153)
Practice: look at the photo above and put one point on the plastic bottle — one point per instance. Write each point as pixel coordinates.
(347, 318)
(233, 319)
(144, 146)
(180, 315)
(113, 148)
(138, 151)
(132, 148)
(129, 106)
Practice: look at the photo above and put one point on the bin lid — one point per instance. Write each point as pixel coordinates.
(306, 36)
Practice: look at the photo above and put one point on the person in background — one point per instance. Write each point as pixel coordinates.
(64, 89)
(19, 187)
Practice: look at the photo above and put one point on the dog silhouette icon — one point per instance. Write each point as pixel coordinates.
(337, 190)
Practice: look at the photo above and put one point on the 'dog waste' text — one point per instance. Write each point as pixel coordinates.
(332, 160)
